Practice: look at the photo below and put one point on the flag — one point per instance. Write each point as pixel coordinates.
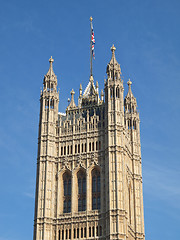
(92, 41)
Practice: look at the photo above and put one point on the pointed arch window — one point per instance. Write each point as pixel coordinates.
(81, 190)
(47, 103)
(96, 189)
(52, 87)
(117, 92)
(67, 192)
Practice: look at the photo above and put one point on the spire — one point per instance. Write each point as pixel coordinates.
(80, 90)
(50, 79)
(129, 85)
(91, 93)
(91, 79)
(72, 103)
(50, 71)
(130, 100)
(90, 89)
(129, 94)
(113, 68)
(113, 58)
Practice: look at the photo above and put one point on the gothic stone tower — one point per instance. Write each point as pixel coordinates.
(89, 180)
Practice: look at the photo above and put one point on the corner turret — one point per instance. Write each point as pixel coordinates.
(130, 101)
(72, 103)
(50, 79)
(130, 105)
(113, 68)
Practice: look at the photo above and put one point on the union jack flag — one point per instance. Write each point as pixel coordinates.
(92, 40)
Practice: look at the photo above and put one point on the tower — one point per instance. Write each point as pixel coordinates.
(89, 180)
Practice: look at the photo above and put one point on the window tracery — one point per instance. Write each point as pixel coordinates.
(96, 189)
(67, 192)
(81, 191)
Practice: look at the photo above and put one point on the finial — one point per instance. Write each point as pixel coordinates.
(51, 60)
(102, 95)
(91, 19)
(129, 82)
(50, 71)
(97, 85)
(91, 79)
(72, 92)
(113, 49)
(80, 90)
(72, 103)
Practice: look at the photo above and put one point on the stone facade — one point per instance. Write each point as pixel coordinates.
(89, 180)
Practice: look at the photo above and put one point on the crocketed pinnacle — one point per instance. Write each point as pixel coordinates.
(113, 68)
(130, 94)
(50, 71)
(113, 58)
(72, 103)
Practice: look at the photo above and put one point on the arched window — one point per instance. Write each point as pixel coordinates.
(85, 232)
(81, 232)
(85, 147)
(78, 148)
(96, 189)
(69, 233)
(81, 191)
(51, 86)
(111, 92)
(47, 103)
(90, 147)
(67, 192)
(93, 231)
(52, 104)
(48, 86)
(134, 124)
(71, 149)
(89, 231)
(68, 150)
(78, 233)
(59, 235)
(117, 92)
(96, 145)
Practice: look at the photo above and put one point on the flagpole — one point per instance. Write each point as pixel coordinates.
(91, 46)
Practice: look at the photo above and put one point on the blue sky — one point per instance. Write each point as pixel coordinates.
(146, 35)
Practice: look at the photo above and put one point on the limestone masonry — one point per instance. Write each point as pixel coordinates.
(89, 179)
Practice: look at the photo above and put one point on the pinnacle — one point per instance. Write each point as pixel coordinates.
(130, 94)
(91, 79)
(51, 60)
(113, 49)
(72, 103)
(50, 71)
(129, 82)
(113, 58)
(72, 92)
